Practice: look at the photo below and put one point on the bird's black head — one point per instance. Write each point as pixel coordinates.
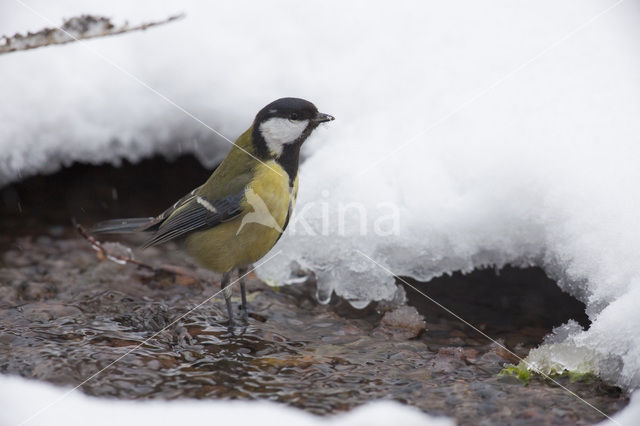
(290, 108)
(285, 124)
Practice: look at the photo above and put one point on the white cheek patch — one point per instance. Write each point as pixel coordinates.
(280, 131)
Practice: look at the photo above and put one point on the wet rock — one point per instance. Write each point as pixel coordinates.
(8, 296)
(37, 291)
(403, 322)
(48, 311)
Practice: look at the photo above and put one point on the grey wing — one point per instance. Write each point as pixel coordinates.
(194, 214)
(154, 223)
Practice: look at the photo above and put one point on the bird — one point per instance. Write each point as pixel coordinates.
(234, 218)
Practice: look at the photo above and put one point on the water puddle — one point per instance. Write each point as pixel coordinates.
(66, 315)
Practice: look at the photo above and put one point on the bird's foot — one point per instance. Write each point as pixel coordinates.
(231, 326)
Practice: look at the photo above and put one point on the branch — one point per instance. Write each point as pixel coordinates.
(106, 253)
(77, 28)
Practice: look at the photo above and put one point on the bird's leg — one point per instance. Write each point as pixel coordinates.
(226, 291)
(243, 293)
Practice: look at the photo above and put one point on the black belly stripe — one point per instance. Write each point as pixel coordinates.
(289, 161)
(286, 221)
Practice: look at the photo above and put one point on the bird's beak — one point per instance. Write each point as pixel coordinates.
(322, 118)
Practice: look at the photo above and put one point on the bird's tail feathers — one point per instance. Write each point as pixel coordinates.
(121, 226)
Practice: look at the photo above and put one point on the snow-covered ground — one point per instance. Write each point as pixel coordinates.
(22, 399)
(490, 133)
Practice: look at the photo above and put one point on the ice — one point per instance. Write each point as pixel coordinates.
(21, 401)
(117, 252)
(467, 135)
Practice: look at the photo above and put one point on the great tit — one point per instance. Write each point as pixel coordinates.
(240, 212)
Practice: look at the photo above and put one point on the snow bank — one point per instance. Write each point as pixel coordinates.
(542, 170)
(21, 399)
(469, 134)
(628, 416)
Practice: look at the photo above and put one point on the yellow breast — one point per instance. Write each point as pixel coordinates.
(249, 236)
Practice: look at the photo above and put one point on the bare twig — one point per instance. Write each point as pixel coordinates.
(74, 29)
(105, 253)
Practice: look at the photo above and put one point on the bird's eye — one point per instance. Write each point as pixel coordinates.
(293, 116)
